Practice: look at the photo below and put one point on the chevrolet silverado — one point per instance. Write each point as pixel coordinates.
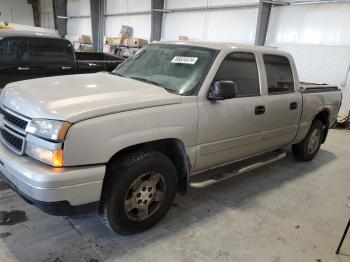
(125, 143)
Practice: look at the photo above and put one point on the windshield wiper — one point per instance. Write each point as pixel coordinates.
(117, 74)
(146, 80)
(153, 83)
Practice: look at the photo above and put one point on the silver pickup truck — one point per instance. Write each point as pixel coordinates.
(126, 142)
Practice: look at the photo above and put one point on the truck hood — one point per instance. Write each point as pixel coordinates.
(77, 97)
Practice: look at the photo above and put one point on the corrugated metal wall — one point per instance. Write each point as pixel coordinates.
(80, 21)
(46, 14)
(318, 38)
(235, 25)
(141, 23)
(16, 11)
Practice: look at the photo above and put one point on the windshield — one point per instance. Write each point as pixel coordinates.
(179, 69)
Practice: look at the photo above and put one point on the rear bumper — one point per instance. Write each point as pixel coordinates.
(54, 190)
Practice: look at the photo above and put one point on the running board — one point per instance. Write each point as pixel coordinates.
(222, 173)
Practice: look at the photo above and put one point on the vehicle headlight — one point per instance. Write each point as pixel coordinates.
(52, 157)
(54, 130)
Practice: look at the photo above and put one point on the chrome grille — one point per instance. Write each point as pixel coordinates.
(12, 130)
(14, 120)
(15, 142)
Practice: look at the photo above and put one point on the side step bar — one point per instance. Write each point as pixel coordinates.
(222, 173)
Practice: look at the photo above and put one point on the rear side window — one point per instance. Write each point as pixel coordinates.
(242, 69)
(14, 52)
(279, 74)
(52, 51)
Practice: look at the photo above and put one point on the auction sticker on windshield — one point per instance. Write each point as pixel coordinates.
(184, 60)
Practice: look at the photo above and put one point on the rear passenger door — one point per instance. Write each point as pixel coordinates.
(283, 102)
(52, 57)
(16, 61)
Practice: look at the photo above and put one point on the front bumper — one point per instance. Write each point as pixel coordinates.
(52, 188)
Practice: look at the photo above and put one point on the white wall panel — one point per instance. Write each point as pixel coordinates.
(16, 11)
(230, 2)
(232, 25)
(77, 27)
(124, 6)
(172, 4)
(190, 24)
(323, 24)
(141, 25)
(78, 7)
(235, 25)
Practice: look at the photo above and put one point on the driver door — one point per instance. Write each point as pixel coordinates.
(231, 129)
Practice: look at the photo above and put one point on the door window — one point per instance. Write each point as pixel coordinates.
(14, 52)
(279, 74)
(242, 69)
(52, 51)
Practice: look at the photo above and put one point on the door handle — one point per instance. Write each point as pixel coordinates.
(260, 110)
(23, 68)
(66, 67)
(293, 106)
(92, 64)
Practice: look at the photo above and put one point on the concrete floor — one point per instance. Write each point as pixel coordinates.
(286, 211)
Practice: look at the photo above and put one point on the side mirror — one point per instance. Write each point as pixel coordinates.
(222, 90)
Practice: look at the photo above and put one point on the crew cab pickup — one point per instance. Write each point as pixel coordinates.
(126, 142)
(28, 55)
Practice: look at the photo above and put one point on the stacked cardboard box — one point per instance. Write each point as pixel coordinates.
(85, 39)
(139, 42)
(119, 40)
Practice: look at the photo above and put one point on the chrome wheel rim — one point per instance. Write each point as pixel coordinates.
(313, 141)
(144, 196)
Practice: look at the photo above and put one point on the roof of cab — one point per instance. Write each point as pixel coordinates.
(19, 33)
(223, 46)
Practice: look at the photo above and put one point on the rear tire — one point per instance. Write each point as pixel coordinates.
(138, 191)
(308, 148)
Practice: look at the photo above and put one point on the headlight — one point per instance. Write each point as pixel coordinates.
(51, 157)
(48, 129)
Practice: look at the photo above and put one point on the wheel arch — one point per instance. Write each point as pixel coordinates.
(173, 148)
(323, 116)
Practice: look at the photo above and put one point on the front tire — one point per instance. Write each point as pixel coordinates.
(307, 149)
(138, 191)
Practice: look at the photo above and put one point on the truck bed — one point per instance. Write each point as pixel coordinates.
(317, 88)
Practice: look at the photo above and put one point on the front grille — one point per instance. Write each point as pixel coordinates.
(14, 120)
(14, 141)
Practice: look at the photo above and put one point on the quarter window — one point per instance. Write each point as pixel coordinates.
(279, 74)
(242, 69)
(52, 51)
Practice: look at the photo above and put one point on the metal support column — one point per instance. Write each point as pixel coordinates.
(60, 16)
(36, 12)
(97, 23)
(263, 22)
(156, 19)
